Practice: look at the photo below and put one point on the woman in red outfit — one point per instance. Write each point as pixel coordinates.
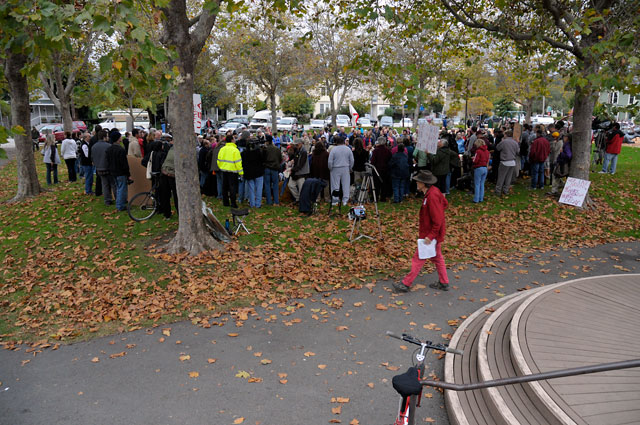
(432, 226)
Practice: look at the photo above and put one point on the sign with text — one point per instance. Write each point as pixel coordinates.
(574, 192)
(428, 138)
(197, 113)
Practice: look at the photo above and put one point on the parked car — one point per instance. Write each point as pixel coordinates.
(80, 125)
(373, 120)
(259, 121)
(364, 122)
(341, 121)
(235, 127)
(241, 120)
(288, 123)
(405, 123)
(317, 125)
(386, 121)
(57, 130)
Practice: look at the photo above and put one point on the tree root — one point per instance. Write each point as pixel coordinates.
(194, 246)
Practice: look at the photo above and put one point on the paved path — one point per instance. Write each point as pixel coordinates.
(311, 356)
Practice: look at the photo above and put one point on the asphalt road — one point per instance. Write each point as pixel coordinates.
(286, 364)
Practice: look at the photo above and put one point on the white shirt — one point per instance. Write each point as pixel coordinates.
(68, 149)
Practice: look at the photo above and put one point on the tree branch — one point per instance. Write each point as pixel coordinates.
(202, 30)
(472, 22)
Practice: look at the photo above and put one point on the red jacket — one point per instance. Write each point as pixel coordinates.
(432, 223)
(540, 149)
(615, 144)
(482, 157)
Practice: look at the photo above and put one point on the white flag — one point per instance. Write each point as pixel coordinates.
(354, 115)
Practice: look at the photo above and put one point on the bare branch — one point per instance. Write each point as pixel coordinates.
(202, 30)
(472, 22)
(194, 21)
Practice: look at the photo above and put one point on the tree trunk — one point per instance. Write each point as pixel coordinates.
(28, 184)
(192, 235)
(333, 109)
(581, 146)
(274, 113)
(67, 120)
(528, 109)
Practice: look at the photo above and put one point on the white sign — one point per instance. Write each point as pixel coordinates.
(197, 113)
(428, 138)
(574, 192)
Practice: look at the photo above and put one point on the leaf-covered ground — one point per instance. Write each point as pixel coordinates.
(73, 268)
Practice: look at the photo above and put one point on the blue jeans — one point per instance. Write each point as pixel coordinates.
(610, 157)
(254, 188)
(271, 180)
(50, 168)
(243, 192)
(479, 176)
(88, 171)
(203, 178)
(121, 192)
(448, 183)
(219, 183)
(537, 175)
(285, 183)
(398, 188)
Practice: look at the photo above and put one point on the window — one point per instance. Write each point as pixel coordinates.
(324, 91)
(322, 108)
(614, 97)
(632, 99)
(241, 109)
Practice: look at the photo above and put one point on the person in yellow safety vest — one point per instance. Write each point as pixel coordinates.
(230, 164)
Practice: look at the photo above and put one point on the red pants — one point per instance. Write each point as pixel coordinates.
(417, 263)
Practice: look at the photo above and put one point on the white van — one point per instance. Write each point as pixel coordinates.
(260, 120)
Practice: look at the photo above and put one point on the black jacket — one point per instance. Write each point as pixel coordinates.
(117, 161)
(253, 163)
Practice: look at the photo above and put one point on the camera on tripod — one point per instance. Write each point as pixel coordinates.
(358, 212)
(370, 169)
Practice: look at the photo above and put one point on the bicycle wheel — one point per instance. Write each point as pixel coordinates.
(142, 206)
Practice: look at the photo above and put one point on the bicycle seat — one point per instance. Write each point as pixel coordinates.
(239, 212)
(407, 384)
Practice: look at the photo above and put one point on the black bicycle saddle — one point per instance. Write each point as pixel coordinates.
(407, 384)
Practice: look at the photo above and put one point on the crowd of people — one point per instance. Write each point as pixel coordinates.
(263, 166)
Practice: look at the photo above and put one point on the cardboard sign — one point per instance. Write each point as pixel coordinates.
(517, 132)
(197, 113)
(139, 177)
(428, 138)
(574, 192)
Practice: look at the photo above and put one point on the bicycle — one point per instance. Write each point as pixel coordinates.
(408, 384)
(144, 205)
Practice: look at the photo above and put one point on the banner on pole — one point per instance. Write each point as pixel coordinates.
(197, 113)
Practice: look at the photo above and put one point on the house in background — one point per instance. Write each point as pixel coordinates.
(43, 110)
(616, 98)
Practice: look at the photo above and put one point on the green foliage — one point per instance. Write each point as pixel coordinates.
(260, 104)
(479, 106)
(389, 111)
(297, 104)
(436, 105)
(503, 105)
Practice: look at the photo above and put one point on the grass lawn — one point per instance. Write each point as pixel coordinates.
(73, 268)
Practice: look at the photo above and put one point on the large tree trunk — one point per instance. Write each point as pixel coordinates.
(274, 114)
(28, 184)
(192, 236)
(528, 110)
(581, 146)
(333, 109)
(54, 86)
(67, 119)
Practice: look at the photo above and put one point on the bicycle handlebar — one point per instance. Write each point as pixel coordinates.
(428, 344)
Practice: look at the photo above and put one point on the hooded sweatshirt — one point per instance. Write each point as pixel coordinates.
(481, 159)
(432, 221)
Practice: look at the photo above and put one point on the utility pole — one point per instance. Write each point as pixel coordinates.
(466, 103)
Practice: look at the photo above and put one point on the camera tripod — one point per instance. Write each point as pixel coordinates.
(357, 214)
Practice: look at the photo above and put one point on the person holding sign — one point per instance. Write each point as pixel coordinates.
(432, 228)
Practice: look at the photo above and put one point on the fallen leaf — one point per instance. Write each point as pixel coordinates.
(211, 361)
(342, 328)
(265, 361)
(309, 354)
(336, 410)
(242, 374)
(238, 421)
(193, 374)
(354, 422)
(166, 332)
(382, 307)
(322, 366)
(370, 385)
(120, 354)
(95, 360)
(283, 381)
(232, 334)
(185, 357)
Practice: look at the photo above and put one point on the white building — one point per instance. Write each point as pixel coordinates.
(43, 110)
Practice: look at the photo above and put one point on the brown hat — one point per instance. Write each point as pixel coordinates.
(425, 177)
